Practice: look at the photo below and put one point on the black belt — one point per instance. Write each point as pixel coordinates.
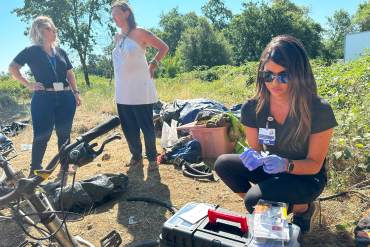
(50, 85)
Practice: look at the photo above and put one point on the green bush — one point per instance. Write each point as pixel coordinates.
(202, 45)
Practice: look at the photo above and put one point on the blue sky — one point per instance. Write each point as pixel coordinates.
(147, 14)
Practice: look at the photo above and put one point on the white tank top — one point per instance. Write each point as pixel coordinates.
(133, 84)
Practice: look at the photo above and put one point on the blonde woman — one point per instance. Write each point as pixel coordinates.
(133, 75)
(54, 92)
(292, 125)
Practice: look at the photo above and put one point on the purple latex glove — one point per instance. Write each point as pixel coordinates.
(273, 164)
(251, 159)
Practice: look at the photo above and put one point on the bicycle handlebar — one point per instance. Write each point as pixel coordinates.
(27, 185)
(100, 129)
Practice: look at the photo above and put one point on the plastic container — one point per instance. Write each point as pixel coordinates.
(190, 227)
(214, 141)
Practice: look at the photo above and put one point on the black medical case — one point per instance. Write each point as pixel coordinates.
(225, 229)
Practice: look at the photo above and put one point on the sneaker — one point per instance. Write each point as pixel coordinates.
(134, 162)
(306, 220)
(152, 165)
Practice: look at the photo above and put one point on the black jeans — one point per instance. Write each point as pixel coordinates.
(49, 109)
(133, 118)
(283, 187)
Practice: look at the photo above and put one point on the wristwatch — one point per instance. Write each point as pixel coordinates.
(75, 92)
(290, 166)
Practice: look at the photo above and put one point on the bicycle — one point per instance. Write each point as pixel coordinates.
(15, 188)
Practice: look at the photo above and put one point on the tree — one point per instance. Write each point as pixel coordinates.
(217, 13)
(202, 46)
(339, 25)
(172, 27)
(75, 19)
(102, 64)
(250, 31)
(362, 17)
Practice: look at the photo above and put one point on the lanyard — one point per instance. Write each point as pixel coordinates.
(269, 120)
(52, 61)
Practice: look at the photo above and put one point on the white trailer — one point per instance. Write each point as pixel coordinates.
(355, 44)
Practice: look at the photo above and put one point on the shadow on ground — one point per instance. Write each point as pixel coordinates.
(11, 234)
(325, 237)
(143, 220)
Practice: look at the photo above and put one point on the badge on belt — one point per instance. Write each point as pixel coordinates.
(58, 86)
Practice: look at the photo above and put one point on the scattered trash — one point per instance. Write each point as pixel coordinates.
(105, 157)
(14, 128)
(132, 221)
(6, 145)
(26, 147)
(169, 134)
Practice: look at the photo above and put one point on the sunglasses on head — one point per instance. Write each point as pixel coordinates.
(268, 76)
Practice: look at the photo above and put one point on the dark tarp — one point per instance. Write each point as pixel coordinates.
(88, 194)
(185, 111)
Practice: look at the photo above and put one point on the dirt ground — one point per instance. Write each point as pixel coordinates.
(168, 185)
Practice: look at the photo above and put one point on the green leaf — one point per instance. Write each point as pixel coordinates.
(341, 141)
(340, 227)
(338, 155)
(359, 145)
(347, 154)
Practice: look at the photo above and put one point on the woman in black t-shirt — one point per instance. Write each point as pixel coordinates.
(55, 93)
(288, 129)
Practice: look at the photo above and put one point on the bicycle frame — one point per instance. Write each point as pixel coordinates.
(39, 203)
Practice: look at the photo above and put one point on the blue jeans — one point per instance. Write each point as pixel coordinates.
(49, 109)
(133, 118)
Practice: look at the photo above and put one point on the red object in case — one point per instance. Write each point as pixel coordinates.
(213, 215)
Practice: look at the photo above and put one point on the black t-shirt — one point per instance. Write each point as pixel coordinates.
(43, 67)
(322, 119)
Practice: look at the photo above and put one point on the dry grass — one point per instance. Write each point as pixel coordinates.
(166, 184)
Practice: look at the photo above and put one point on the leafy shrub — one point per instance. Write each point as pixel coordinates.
(201, 45)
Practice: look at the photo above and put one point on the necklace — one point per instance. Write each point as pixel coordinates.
(124, 36)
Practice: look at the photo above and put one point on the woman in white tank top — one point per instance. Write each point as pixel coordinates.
(135, 91)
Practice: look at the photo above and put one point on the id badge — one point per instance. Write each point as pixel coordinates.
(58, 86)
(266, 136)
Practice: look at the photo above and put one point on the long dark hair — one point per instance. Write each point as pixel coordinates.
(124, 6)
(287, 51)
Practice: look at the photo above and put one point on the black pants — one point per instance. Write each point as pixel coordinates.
(283, 187)
(133, 119)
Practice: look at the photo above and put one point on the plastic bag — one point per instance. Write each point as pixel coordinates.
(169, 134)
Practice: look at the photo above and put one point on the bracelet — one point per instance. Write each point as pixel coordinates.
(76, 92)
(155, 62)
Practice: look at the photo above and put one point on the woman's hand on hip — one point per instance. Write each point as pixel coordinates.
(37, 86)
(152, 68)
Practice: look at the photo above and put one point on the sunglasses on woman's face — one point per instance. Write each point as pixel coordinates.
(268, 77)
